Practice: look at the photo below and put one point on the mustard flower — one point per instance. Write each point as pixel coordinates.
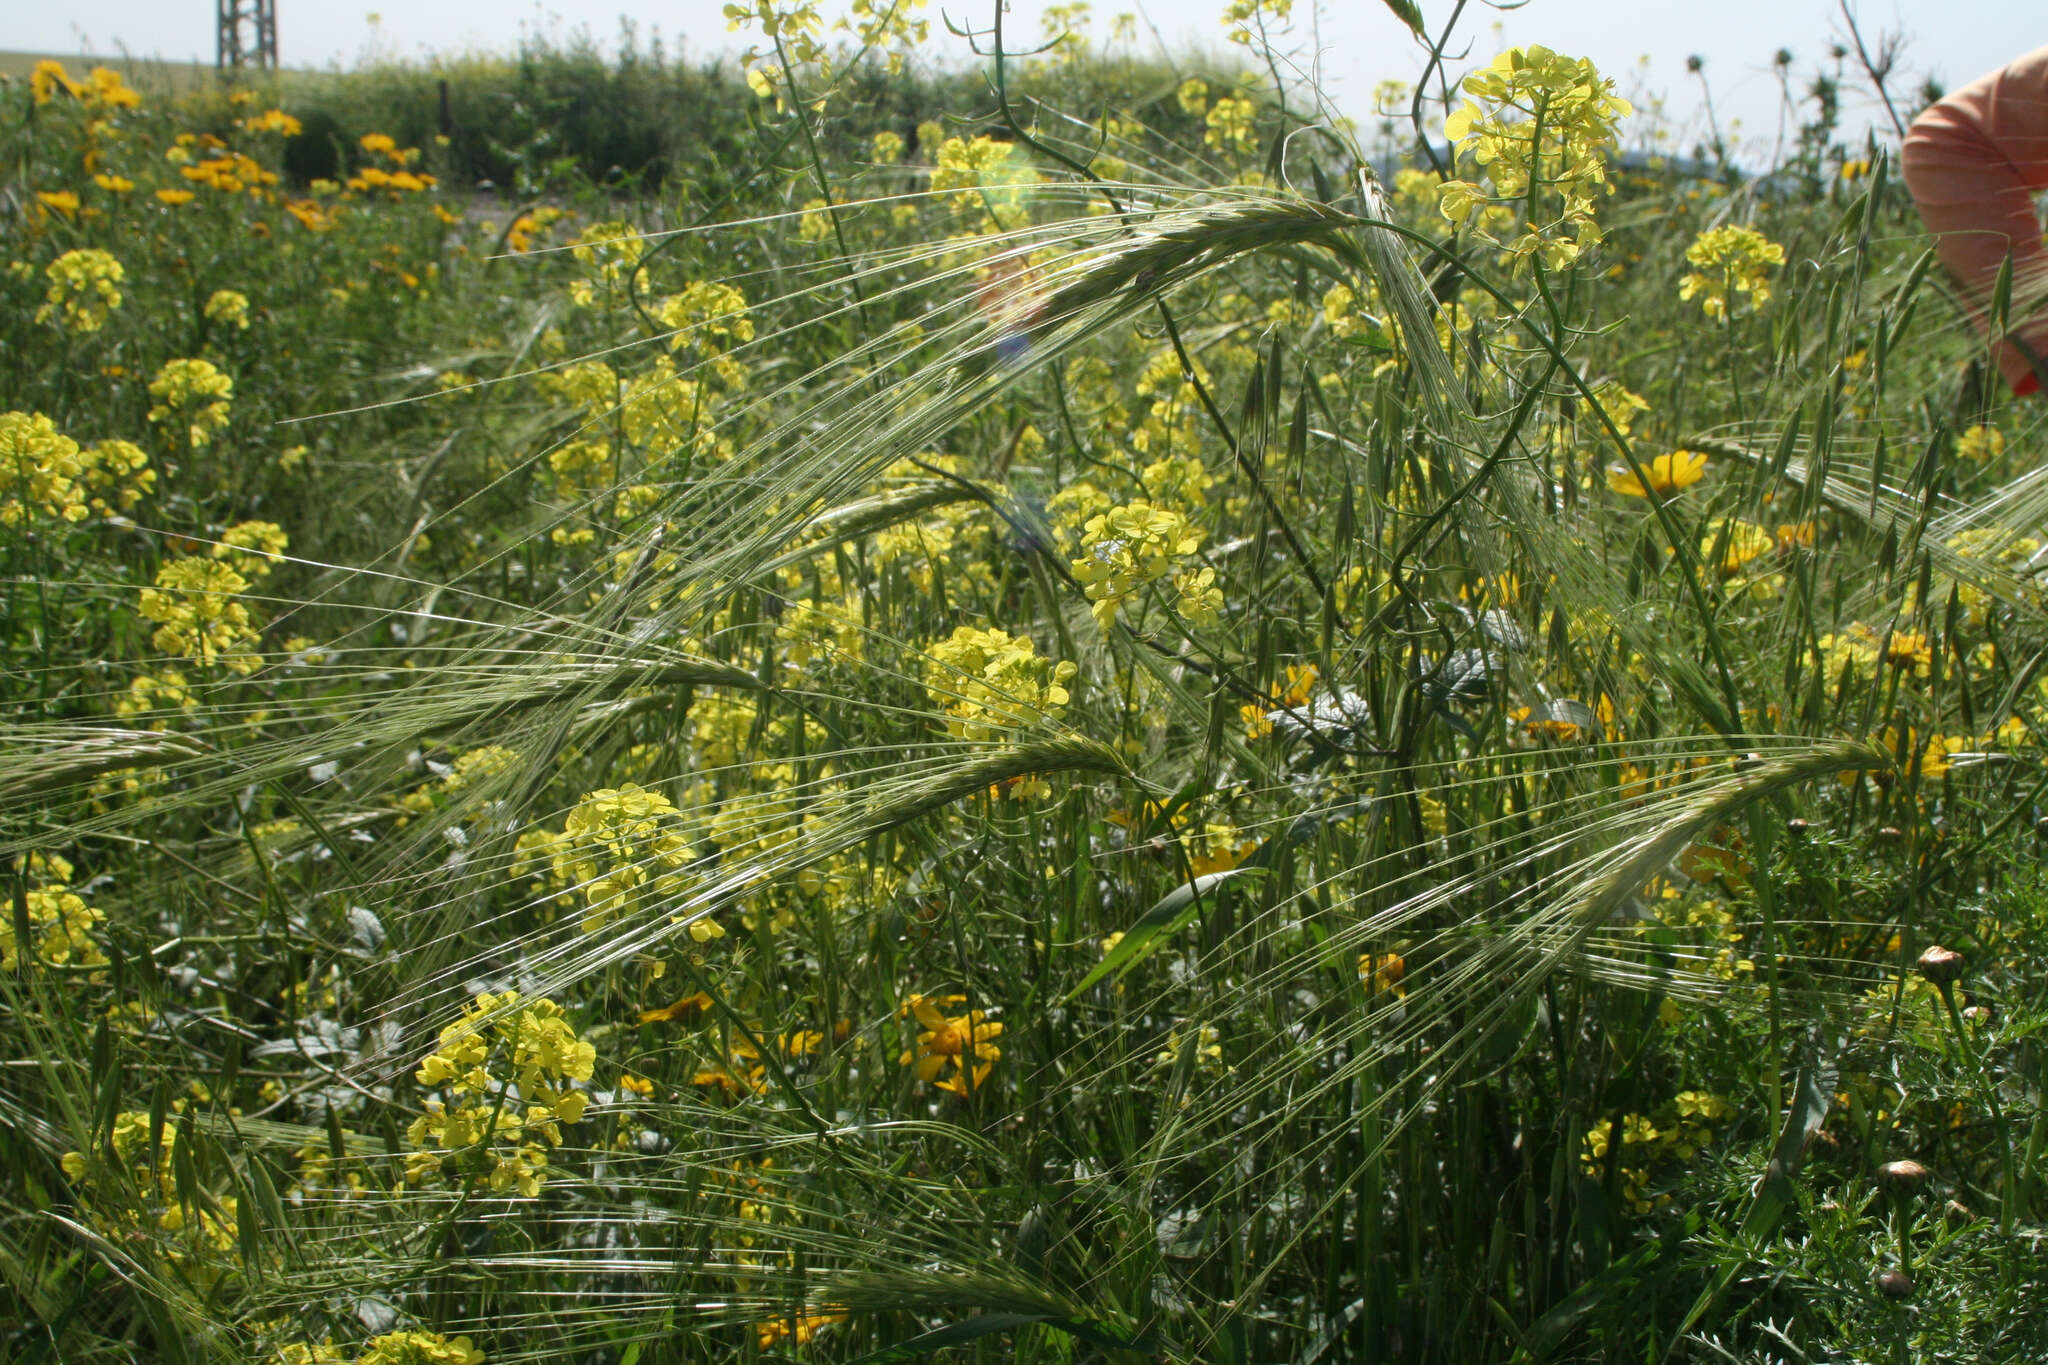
(1247, 19)
(197, 616)
(229, 307)
(506, 1071)
(1127, 547)
(116, 475)
(1193, 95)
(1229, 124)
(1538, 117)
(1980, 443)
(419, 1348)
(251, 547)
(1732, 261)
(62, 926)
(622, 850)
(84, 289)
(990, 683)
(888, 147)
(40, 470)
(191, 398)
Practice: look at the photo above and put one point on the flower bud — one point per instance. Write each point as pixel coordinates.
(1895, 1284)
(1902, 1177)
(1941, 965)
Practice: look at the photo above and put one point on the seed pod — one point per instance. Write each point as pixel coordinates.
(1902, 1177)
(1941, 965)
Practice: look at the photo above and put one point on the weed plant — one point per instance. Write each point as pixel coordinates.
(1077, 733)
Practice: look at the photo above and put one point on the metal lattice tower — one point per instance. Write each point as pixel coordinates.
(245, 34)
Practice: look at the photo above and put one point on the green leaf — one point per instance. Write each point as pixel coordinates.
(1168, 916)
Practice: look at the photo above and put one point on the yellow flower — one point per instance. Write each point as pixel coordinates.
(192, 395)
(40, 470)
(1980, 443)
(1668, 474)
(63, 201)
(1127, 547)
(228, 307)
(1229, 124)
(1383, 972)
(251, 547)
(960, 1044)
(991, 684)
(84, 288)
(419, 1348)
(1193, 95)
(197, 615)
(113, 184)
(48, 77)
(888, 147)
(175, 197)
(1731, 261)
(1536, 116)
(378, 144)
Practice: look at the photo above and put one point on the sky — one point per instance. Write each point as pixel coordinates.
(1352, 44)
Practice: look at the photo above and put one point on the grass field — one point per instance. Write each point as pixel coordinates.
(1026, 721)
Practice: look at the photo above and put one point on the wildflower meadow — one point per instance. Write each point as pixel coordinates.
(1076, 712)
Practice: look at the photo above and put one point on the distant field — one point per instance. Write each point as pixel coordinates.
(144, 73)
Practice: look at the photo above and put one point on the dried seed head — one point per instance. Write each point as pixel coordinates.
(1941, 965)
(1895, 1284)
(1902, 1177)
(1956, 1212)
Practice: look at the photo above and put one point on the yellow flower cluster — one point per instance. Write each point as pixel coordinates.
(43, 470)
(1645, 1142)
(272, 121)
(1732, 261)
(251, 547)
(230, 173)
(1127, 547)
(506, 1072)
(955, 1052)
(197, 616)
(1980, 443)
(419, 1348)
(1229, 124)
(982, 172)
(103, 86)
(191, 398)
(991, 684)
(198, 1235)
(1536, 121)
(612, 251)
(229, 308)
(621, 849)
(84, 288)
(60, 920)
(1248, 19)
